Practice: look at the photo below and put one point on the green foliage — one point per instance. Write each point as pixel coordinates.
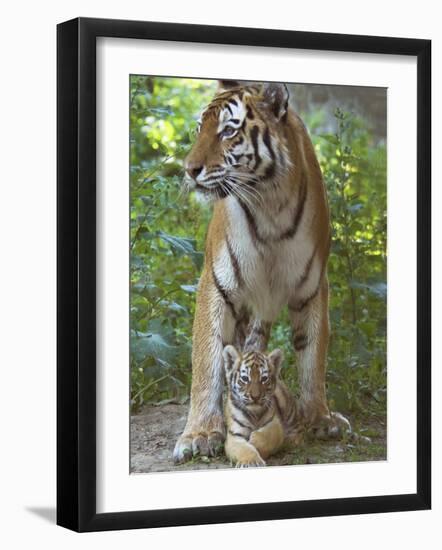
(167, 243)
(167, 235)
(355, 173)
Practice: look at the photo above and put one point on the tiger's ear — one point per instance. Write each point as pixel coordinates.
(227, 84)
(230, 356)
(275, 359)
(276, 96)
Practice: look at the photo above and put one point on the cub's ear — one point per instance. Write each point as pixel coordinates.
(275, 359)
(227, 84)
(276, 96)
(230, 356)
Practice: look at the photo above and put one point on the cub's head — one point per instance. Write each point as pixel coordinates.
(240, 143)
(252, 377)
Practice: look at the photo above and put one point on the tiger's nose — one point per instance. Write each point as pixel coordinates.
(194, 169)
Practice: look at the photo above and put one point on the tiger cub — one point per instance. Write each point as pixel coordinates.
(260, 412)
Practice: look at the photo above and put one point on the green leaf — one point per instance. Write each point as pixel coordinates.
(174, 306)
(189, 288)
(354, 208)
(378, 289)
(154, 344)
(183, 246)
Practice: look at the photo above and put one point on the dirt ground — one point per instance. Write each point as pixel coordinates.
(155, 429)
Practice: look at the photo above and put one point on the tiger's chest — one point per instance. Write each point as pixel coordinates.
(267, 268)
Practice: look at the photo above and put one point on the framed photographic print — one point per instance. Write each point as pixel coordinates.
(243, 274)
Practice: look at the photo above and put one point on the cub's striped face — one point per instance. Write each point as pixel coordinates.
(251, 377)
(240, 145)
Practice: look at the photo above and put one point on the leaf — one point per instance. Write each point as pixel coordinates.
(378, 289)
(189, 288)
(354, 208)
(183, 246)
(154, 343)
(174, 306)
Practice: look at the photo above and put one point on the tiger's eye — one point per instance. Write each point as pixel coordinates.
(244, 378)
(228, 131)
(264, 379)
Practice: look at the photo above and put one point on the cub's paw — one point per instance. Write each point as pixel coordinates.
(249, 459)
(333, 426)
(201, 443)
(258, 462)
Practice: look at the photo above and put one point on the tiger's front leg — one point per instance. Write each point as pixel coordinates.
(213, 328)
(309, 319)
(242, 453)
(268, 439)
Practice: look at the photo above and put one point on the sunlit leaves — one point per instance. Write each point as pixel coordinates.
(167, 231)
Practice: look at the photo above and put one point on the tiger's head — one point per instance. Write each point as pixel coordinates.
(252, 377)
(240, 143)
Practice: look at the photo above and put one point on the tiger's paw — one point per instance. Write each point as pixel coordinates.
(332, 426)
(258, 462)
(198, 443)
(249, 458)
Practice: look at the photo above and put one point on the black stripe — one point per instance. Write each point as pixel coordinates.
(307, 268)
(270, 171)
(234, 102)
(290, 233)
(300, 305)
(236, 434)
(239, 405)
(223, 292)
(240, 423)
(251, 222)
(234, 121)
(235, 264)
(227, 106)
(254, 136)
(268, 143)
(249, 113)
(300, 342)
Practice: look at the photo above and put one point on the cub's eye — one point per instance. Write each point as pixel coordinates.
(227, 132)
(244, 378)
(264, 379)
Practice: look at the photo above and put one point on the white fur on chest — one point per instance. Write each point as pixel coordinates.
(269, 272)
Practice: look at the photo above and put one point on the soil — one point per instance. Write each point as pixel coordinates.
(155, 429)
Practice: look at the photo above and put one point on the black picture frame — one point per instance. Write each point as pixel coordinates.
(76, 273)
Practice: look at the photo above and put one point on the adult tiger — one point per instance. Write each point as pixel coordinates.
(267, 247)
